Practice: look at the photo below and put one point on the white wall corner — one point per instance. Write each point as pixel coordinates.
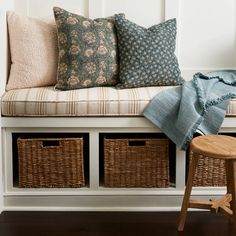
(5, 6)
(96, 8)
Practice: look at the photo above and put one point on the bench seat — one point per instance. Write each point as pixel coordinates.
(98, 101)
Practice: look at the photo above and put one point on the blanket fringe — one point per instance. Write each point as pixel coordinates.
(205, 105)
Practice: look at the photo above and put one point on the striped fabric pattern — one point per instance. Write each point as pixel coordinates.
(98, 101)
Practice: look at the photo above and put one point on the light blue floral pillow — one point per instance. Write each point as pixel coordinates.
(87, 51)
(147, 55)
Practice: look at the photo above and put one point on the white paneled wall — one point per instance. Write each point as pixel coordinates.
(145, 13)
(206, 28)
(207, 34)
(37, 8)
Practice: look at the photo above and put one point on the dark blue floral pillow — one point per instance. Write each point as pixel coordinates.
(147, 55)
(87, 51)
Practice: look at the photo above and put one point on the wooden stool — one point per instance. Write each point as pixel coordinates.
(213, 146)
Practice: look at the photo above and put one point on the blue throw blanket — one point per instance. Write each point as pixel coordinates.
(199, 104)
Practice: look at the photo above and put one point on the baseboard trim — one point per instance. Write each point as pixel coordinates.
(96, 203)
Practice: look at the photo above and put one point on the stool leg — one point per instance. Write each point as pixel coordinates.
(187, 193)
(231, 185)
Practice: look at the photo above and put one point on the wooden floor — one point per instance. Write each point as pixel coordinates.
(112, 224)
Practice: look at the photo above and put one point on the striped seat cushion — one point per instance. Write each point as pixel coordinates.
(99, 101)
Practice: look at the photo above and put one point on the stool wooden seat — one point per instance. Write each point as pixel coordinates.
(212, 146)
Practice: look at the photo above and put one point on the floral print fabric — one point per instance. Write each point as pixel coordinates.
(87, 51)
(147, 55)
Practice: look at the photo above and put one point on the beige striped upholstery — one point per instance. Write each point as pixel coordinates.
(99, 101)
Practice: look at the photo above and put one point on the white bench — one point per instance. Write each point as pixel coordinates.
(92, 111)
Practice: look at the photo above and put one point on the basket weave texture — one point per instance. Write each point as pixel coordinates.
(210, 171)
(50, 162)
(136, 163)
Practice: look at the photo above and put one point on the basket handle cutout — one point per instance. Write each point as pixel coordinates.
(137, 143)
(50, 143)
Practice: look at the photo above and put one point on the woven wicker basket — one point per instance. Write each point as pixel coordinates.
(50, 162)
(136, 163)
(210, 171)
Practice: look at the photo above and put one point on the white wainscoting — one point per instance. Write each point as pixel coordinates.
(206, 28)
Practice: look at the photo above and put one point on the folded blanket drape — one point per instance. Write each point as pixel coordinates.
(199, 104)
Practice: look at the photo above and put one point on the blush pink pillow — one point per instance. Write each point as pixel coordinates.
(34, 52)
